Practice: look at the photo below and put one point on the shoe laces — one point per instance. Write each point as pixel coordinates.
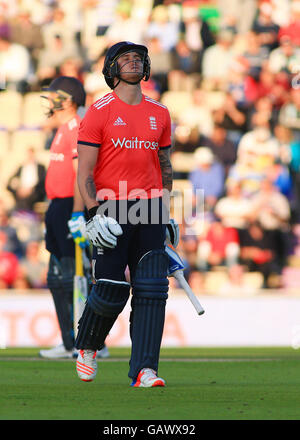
(88, 354)
(149, 372)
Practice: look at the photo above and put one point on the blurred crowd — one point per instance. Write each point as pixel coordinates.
(229, 72)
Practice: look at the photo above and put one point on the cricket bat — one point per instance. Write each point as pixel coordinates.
(176, 267)
(80, 288)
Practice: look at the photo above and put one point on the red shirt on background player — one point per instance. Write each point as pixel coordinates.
(61, 173)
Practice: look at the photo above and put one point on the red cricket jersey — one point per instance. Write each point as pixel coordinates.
(60, 178)
(129, 138)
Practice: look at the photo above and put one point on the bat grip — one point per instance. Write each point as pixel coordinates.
(185, 286)
(78, 260)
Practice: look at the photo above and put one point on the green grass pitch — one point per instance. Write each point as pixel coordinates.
(202, 384)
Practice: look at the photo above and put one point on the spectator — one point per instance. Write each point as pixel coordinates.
(40, 10)
(258, 251)
(286, 57)
(280, 176)
(247, 173)
(160, 63)
(52, 57)
(275, 86)
(237, 84)
(195, 33)
(255, 54)
(73, 17)
(217, 59)
(188, 250)
(292, 29)
(162, 28)
(223, 149)
(28, 183)
(57, 27)
(198, 114)
(34, 268)
(289, 115)
(294, 167)
(185, 68)
(94, 84)
(5, 27)
(186, 139)
(259, 143)
(271, 209)
(264, 26)
(28, 34)
(237, 283)
(207, 178)
(71, 67)
(262, 113)
(281, 12)
(284, 138)
(233, 209)
(219, 247)
(105, 13)
(196, 281)
(125, 27)
(242, 13)
(231, 118)
(14, 64)
(12, 243)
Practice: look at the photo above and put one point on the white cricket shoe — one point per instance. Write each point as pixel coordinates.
(103, 353)
(147, 378)
(58, 352)
(86, 365)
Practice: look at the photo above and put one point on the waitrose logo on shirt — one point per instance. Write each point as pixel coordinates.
(134, 143)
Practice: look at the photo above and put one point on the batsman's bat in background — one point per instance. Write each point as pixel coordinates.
(80, 287)
(176, 267)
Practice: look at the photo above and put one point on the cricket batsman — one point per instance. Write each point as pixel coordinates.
(124, 167)
(64, 220)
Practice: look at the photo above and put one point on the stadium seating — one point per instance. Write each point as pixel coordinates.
(214, 281)
(10, 110)
(22, 139)
(176, 102)
(4, 143)
(183, 162)
(214, 99)
(33, 115)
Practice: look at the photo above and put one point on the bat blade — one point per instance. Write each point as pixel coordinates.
(80, 292)
(176, 267)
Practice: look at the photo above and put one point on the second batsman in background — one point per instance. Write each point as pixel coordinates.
(64, 220)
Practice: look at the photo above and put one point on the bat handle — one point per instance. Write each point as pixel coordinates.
(78, 260)
(185, 286)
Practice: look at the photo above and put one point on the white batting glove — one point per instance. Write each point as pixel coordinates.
(172, 233)
(103, 231)
(78, 230)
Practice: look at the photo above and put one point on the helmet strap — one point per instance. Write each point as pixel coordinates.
(133, 83)
(115, 85)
